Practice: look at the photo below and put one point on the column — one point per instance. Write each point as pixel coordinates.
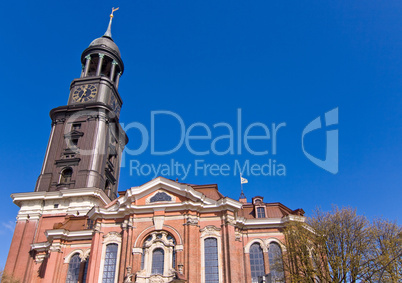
(100, 62)
(86, 68)
(95, 255)
(124, 248)
(192, 250)
(114, 63)
(117, 80)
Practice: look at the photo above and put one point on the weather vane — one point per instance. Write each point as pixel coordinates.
(113, 10)
(108, 32)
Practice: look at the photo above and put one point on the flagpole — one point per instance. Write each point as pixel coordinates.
(241, 186)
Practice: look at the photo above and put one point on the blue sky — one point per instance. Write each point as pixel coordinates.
(278, 61)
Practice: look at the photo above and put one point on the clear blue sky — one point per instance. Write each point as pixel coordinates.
(278, 61)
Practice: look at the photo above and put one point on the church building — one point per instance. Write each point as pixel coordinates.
(76, 227)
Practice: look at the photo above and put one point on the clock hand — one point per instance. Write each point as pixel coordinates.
(83, 93)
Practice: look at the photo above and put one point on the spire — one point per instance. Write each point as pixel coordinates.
(108, 32)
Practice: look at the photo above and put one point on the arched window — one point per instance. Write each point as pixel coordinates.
(211, 260)
(109, 268)
(275, 262)
(158, 255)
(256, 262)
(158, 260)
(73, 269)
(84, 277)
(66, 176)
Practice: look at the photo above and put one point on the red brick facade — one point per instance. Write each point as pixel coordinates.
(181, 215)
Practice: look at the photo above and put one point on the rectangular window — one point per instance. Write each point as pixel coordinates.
(260, 212)
(158, 260)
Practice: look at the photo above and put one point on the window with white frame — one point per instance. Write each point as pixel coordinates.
(111, 249)
(211, 260)
(158, 257)
(261, 212)
(109, 267)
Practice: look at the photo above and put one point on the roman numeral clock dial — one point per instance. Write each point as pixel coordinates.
(84, 93)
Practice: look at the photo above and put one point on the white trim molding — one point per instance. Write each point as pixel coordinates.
(110, 238)
(211, 231)
(80, 252)
(253, 241)
(275, 240)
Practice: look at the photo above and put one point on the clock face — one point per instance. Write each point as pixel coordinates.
(114, 104)
(84, 93)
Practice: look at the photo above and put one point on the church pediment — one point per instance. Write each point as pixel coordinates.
(164, 194)
(162, 190)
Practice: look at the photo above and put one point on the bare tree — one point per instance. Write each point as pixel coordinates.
(387, 254)
(5, 278)
(341, 246)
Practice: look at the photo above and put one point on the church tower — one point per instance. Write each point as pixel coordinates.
(86, 140)
(81, 165)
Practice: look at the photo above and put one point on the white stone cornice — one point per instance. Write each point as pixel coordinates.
(68, 235)
(294, 218)
(230, 202)
(72, 201)
(32, 215)
(122, 211)
(19, 198)
(267, 222)
(40, 247)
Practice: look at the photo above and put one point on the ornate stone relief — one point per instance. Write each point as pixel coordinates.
(112, 237)
(156, 240)
(230, 220)
(129, 275)
(192, 220)
(210, 230)
(156, 279)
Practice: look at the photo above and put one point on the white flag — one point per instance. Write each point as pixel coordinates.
(243, 180)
